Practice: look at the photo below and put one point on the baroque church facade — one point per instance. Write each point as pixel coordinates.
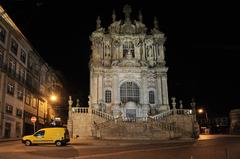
(128, 75)
(128, 87)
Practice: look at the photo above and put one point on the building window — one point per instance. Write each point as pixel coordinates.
(2, 34)
(10, 88)
(34, 102)
(40, 133)
(28, 98)
(20, 93)
(41, 106)
(9, 109)
(128, 49)
(19, 113)
(12, 66)
(129, 91)
(14, 47)
(108, 96)
(23, 56)
(21, 74)
(151, 97)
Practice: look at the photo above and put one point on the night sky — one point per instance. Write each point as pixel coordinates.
(202, 47)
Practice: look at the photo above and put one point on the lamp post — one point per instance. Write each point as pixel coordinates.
(201, 111)
(205, 127)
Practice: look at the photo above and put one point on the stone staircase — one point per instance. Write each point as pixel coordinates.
(161, 126)
(170, 124)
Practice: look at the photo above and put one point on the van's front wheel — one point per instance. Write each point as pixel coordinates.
(28, 143)
(58, 143)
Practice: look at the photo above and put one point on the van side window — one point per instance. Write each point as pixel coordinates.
(40, 133)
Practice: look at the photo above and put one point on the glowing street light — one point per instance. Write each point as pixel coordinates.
(201, 110)
(53, 98)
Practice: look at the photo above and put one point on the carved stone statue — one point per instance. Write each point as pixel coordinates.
(127, 11)
(113, 16)
(77, 105)
(98, 22)
(70, 102)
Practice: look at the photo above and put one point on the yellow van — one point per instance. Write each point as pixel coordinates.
(54, 135)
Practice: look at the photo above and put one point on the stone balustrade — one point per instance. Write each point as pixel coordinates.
(79, 110)
(184, 111)
(162, 115)
(137, 119)
(102, 114)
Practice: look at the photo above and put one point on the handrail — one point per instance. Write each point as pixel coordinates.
(162, 115)
(102, 114)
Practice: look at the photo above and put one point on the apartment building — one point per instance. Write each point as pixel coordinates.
(26, 82)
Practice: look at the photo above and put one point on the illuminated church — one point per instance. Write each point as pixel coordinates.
(128, 75)
(128, 87)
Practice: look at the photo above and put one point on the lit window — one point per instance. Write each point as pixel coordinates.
(9, 109)
(12, 66)
(10, 88)
(20, 93)
(129, 91)
(151, 97)
(108, 96)
(2, 34)
(28, 98)
(34, 102)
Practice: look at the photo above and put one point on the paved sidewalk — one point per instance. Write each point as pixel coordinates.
(9, 139)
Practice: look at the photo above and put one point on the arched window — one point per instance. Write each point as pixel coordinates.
(129, 91)
(108, 96)
(151, 97)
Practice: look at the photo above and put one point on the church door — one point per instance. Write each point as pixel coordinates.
(131, 113)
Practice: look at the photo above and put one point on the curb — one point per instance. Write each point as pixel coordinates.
(9, 139)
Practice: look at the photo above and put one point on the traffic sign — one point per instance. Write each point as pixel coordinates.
(33, 119)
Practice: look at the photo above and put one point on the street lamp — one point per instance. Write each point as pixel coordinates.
(53, 98)
(201, 111)
(205, 128)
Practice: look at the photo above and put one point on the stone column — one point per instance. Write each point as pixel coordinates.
(159, 90)
(94, 89)
(144, 52)
(165, 90)
(144, 95)
(120, 52)
(165, 105)
(100, 88)
(115, 89)
(161, 52)
(69, 122)
(116, 95)
(143, 91)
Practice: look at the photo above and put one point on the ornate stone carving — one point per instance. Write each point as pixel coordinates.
(131, 54)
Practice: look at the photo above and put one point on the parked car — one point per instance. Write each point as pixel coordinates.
(54, 135)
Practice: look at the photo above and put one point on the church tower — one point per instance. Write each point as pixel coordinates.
(128, 75)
